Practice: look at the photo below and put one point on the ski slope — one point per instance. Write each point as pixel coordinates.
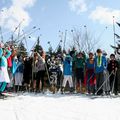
(59, 107)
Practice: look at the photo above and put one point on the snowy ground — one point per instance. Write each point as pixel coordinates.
(59, 107)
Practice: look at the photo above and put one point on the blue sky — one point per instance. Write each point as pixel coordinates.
(54, 15)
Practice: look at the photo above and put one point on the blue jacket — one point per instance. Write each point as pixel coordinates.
(101, 68)
(67, 67)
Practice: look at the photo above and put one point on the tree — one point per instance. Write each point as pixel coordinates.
(38, 48)
(22, 51)
(50, 49)
(83, 40)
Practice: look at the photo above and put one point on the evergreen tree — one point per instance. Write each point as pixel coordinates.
(22, 51)
(59, 50)
(38, 48)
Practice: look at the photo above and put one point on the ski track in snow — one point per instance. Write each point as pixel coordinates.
(59, 107)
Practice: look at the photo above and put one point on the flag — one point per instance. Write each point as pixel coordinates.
(117, 36)
(118, 24)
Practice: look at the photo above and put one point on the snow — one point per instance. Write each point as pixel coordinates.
(29, 106)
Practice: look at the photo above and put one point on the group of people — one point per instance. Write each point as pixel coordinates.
(92, 73)
(17, 71)
(96, 74)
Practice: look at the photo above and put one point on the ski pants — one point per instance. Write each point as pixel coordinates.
(69, 79)
(99, 82)
(40, 77)
(106, 86)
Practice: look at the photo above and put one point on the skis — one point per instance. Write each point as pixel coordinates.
(99, 96)
(104, 96)
(5, 96)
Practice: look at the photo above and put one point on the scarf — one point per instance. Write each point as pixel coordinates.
(99, 61)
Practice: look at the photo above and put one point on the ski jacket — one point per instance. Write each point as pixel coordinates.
(67, 66)
(102, 67)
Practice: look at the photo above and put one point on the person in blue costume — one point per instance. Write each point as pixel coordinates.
(4, 77)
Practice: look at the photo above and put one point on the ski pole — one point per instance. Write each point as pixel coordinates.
(114, 82)
(89, 80)
(103, 83)
(90, 77)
